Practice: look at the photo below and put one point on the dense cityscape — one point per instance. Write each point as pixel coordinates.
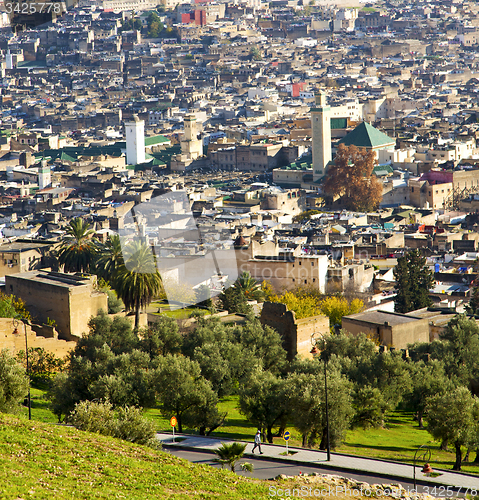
(255, 224)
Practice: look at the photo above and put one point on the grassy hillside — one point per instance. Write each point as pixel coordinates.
(45, 461)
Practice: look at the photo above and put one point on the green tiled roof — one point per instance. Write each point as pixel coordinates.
(382, 170)
(339, 123)
(366, 136)
(67, 157)
(156, 139)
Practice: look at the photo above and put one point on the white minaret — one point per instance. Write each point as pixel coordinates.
(44, 175)
(135, 141)
(321, 129)
(9, 60)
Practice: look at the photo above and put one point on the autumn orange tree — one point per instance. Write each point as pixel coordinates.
(351, 178)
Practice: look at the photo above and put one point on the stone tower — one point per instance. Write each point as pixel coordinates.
(191, 145)
(321, 130)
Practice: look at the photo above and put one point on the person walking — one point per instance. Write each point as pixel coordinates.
(257, 442)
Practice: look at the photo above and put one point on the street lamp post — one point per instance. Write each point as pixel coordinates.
(328, 446)
(315, 352)
(15, 324)
(423, 454)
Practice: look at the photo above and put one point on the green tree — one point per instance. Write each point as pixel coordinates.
(205, 416)
(109, 259)
(13, 383)
(230, 454)
(413, 282)
(13, 307)
(42, 365)
(107, 363)
(155, 26)
(369, 407)
(428, 379)
(461, 349)
(234, 300)
(181, 387)
(162, 338)
(116, 333)
(263, 342)
(138, 281)
(78, 248)
(453, 417)
(380, 383)
(249, 286)
(223, 359)
(305, 386)
(263, 400)
(380, 380)
(473, 306)
(254, 53)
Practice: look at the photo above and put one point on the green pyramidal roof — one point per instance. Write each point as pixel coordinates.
(366, 136)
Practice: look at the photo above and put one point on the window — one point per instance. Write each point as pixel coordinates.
(312, 264)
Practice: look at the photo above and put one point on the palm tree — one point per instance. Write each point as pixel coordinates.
(249, 286)
(137, 280)
(109, 259)
(230, 454)
(78, 249)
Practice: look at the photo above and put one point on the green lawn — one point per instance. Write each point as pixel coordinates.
(175, 313)
(46, 461)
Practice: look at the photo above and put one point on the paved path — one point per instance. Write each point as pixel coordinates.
(389, 469)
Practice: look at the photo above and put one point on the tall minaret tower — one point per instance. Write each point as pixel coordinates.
(135, 141)
(321, 129)
(191, 145)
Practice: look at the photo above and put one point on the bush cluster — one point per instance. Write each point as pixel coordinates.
(126, 423)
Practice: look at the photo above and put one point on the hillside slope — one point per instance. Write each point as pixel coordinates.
(40, 460)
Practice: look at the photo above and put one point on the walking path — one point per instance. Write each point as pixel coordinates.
(469, 484)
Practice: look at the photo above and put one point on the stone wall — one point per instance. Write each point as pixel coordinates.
(15, 342)
(296, 334)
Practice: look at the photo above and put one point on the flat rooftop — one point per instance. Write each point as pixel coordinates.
(53, 278)
(381, 317)
(21, 246)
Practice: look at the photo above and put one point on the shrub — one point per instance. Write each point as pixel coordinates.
(126, 423)
(131, 426)
(13, 383)
(94, 417)
(115, 305)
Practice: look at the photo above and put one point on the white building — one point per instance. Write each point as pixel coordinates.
(135, 141)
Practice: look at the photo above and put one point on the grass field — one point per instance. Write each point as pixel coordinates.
(397, 441)
(46, 461)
